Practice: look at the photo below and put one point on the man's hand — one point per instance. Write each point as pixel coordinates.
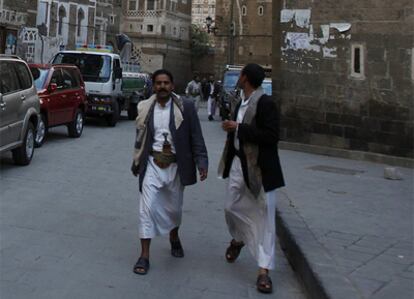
(229, 125)
(203, 174)
(134, 169)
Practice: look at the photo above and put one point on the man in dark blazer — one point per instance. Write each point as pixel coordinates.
(250, 160)
(169, 149)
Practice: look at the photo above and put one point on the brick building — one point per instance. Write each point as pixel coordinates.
(346, 77)
(201, 9)
(243, 32)
(160, 32)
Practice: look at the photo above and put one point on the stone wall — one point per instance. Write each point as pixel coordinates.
(330, 97)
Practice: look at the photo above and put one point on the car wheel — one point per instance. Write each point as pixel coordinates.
(113, 118)
(75, 128)
(23, 154)
(41, 131)
(132, 112)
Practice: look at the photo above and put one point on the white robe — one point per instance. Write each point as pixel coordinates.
(251, 220)
(161, 200)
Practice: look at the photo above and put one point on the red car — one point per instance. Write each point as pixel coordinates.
(62, 98)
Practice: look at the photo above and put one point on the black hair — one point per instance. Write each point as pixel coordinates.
(255, 74)
(162, 72)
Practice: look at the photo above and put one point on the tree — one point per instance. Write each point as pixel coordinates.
(200, 42)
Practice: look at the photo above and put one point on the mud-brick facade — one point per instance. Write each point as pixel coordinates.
(347, 77)
(160, 32)
(243, 32)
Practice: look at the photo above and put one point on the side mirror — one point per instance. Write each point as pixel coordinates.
(52, 87)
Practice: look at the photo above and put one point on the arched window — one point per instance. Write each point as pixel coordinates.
(61, 16)
(81, 16)
(260, 10)
(244, 10)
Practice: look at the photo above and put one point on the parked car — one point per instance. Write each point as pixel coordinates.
(19, 109)
(62, 98)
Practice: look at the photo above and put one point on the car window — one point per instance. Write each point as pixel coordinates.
(39, 76)
(57, 78)
(75, 77)
(9, 81)
(23, 73)
(68, 80)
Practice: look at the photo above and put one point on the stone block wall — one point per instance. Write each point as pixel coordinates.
(323, 101)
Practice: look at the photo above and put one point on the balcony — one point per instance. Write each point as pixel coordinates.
(12, 17)
(144, 14)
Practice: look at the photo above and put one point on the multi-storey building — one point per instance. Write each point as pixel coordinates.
(14, 14)
(160, 32)
(201, 10)
(346, 77)
(243, 32)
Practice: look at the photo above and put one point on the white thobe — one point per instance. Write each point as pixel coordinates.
(211, 103)
(194, 88)
(161, 199)
(250, 219)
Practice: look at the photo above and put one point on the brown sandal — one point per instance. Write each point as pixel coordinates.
(233, 251)
(264, 284)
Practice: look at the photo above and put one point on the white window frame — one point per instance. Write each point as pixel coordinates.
(361, 74)
(136, 5)
(261, 7)
(244, 10)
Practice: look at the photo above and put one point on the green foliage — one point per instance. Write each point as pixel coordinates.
(200, 41)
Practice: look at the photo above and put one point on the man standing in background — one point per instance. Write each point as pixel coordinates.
(193, 91)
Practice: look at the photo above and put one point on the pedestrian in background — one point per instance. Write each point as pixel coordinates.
(169, 148)
(212, 92)
(193, 91)
(250, 160)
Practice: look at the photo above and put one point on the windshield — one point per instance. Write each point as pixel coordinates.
(39, 76)
(93, 67)
(230, 80)
(267, 87)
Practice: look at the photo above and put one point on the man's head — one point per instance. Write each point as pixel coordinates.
(211, 78)
(251, 75)
(163, 84)
(196, 78)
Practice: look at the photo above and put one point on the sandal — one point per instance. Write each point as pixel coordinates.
(233, 251)
(142, 266)
(176, 248)
(264, 284)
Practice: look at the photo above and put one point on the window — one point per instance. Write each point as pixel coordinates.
(112, 19)
(57, 79)
(357, 61)
(132, 5)
(75, 77)
(163, 29)
(8, 78)
(62, 15)
(81, 16)
(244, 10)
(150, 4)
(260, 10)
(24, 76)
(68, 81)
(150, 28)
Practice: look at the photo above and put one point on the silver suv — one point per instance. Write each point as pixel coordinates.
(19, 109)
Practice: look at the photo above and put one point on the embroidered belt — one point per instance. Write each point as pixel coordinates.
(163, 160)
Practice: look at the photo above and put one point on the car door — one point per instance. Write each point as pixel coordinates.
(71, 86)
(56, 113)
(10, 102)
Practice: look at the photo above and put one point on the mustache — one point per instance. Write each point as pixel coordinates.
(162, 90)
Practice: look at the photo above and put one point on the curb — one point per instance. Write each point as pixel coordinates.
(347, 154)
(310, 260)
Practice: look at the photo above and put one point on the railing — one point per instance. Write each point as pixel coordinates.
(144, 14)
(12, 17)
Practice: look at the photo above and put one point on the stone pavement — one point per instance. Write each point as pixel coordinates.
(68, 227)
(344, 213)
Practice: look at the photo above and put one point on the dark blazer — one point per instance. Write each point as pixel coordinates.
(265, 133)
(188, 141)
(207, 88)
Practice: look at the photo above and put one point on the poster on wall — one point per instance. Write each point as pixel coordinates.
(11, 42)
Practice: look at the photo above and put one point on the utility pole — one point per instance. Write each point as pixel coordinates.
(232, 30)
